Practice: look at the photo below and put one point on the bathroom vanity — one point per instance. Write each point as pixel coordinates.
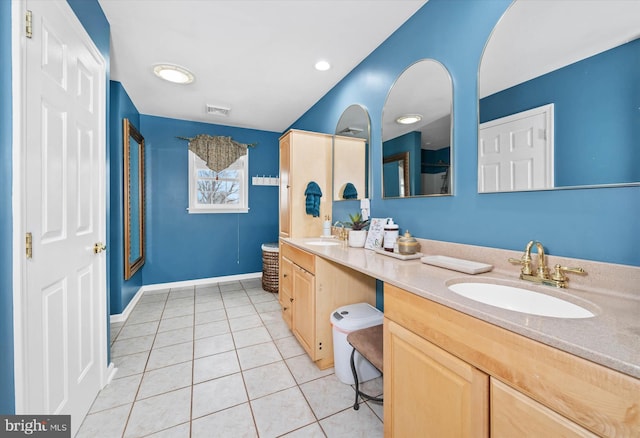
(458, 367)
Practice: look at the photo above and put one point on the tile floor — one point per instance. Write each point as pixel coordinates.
(218, 361)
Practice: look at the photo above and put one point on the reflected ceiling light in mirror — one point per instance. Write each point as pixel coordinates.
(173, 73)
(409, 119)
(322, 65)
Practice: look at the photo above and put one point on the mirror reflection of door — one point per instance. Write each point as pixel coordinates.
(416, 120)
(395, 174)
(549, 52)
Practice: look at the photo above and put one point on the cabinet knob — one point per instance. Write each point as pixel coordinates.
(284, 308)
(291, 299)
(284, 275)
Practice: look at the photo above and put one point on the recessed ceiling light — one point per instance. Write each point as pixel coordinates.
(323, 66)
(409, 119)
(173, 73)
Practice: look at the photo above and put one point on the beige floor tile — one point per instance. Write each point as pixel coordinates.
(218, 394)
(179, 431)
(159, 412)
(268, 379)
(175, 323)
(211, 316)
(253, 336)
(212, 367)
(236, 422)
(264, 297)
(175, 311)
(328, 395)
(213, 345)
(171, 355)
(236, 300)
(118, 392)
(257, 355)
(165, 379)
(230, 286)
(278, 329)
(211, 329)
(173, 337)
(131, 346)
(377, 409)
(289, 347)
(153, 297)
(272, 316)
(137, 330)
(257, 290)
(268, 413)
(245, 322)
(268, 307)
(240, 311)
(304, 370)
(361, 423)
(130, 364)
(206, 304)
(311, 431)
(105, 424)
(145, 315)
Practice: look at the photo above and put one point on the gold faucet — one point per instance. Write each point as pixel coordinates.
(340, 231)
(557, 279)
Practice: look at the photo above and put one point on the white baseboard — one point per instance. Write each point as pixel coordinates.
(151, 288)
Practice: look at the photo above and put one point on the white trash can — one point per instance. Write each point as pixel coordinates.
(345, 320)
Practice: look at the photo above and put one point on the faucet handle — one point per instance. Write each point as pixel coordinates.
(559, 270)
(525, 262)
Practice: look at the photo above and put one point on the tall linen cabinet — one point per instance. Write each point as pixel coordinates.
(304, 157)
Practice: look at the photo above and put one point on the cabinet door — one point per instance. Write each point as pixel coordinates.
(285, 165)
(304, 320)
(513, 414)
(429, 392)
(286, 286)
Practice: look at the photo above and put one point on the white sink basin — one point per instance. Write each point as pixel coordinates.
(323, 243)
(520, 300)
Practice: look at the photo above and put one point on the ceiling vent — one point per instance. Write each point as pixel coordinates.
(350, 130)
(218, 110)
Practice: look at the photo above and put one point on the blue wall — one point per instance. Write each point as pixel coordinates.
(593, 224)
(120, 291)
(600, 91)
(183, 246)
(7, 388)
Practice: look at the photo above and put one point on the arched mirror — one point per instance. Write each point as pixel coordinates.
(559, 97)
(351, 155)
(416, 133)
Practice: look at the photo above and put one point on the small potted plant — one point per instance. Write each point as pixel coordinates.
(358, 232)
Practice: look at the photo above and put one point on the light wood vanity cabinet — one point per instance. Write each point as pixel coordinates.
(304, 157)
(310, 289)
(430, 392)
(449, 374)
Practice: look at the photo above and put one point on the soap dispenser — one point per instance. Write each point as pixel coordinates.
(390, 235)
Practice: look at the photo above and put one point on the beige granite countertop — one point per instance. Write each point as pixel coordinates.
(612, 292)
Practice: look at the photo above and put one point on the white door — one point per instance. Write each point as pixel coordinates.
(516, 152)
(64, 318)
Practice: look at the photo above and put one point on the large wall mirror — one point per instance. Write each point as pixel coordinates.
(582, 60)
(351, 155)
(133, 199)
(416, 133)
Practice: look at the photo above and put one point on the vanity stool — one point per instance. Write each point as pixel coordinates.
(368, 342)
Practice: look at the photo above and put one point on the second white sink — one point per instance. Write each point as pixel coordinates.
(520, 300)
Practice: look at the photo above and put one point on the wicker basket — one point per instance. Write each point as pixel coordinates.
(270, 253)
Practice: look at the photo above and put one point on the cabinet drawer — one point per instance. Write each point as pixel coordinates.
(301, 258)
(515, 414)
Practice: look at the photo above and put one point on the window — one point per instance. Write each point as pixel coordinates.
(218, 192)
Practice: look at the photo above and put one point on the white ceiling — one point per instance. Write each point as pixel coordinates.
(254, 56)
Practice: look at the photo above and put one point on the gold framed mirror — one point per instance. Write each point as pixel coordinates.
(134, 243)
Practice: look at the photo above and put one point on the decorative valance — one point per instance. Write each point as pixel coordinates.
(217, 152)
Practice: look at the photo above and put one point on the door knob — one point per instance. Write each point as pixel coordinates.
(99, 247)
